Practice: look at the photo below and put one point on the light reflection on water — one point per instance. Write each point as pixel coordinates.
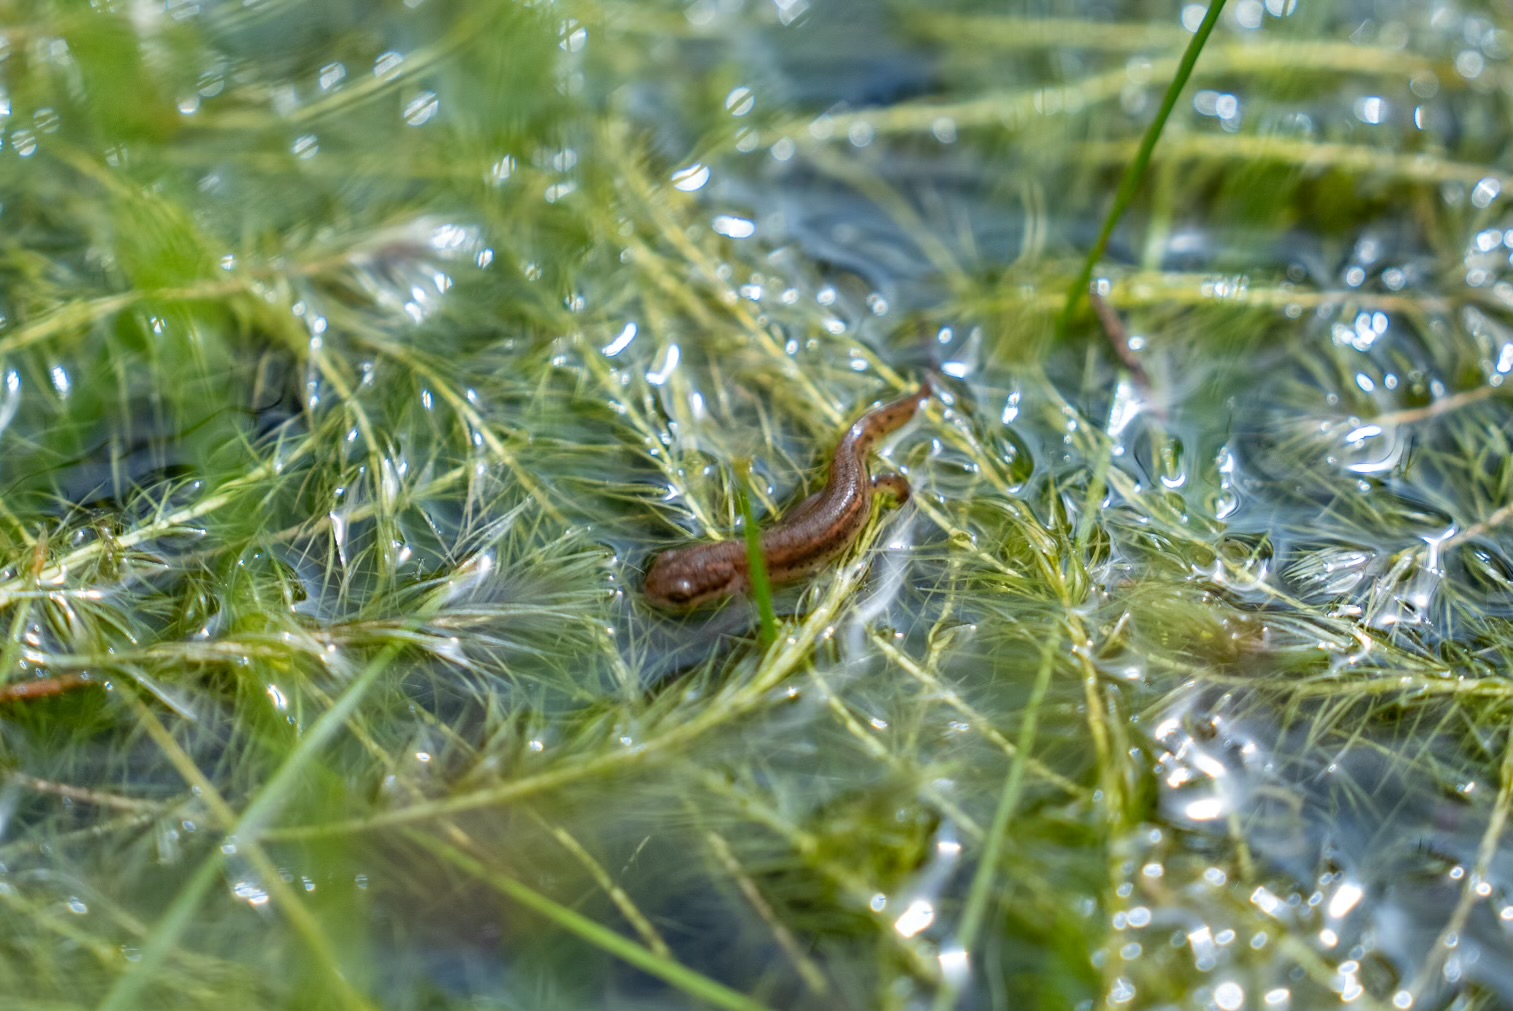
(1360, 859)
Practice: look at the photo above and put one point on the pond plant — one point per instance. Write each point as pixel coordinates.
(356, 360)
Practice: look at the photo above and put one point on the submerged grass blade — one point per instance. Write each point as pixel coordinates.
(730, 705)
(247, 830)
(664, 968)
(988, 867)
(1134, 174)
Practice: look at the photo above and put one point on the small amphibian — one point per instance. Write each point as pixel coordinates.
(819, 529)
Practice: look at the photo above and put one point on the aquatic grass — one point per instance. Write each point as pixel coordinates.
(242, 833)
(377, 392)
(705, 989)
(974, 911)
(727, 704)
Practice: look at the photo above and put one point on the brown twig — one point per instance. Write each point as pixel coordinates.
(41, 688)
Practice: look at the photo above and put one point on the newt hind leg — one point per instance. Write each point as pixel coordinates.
(894, 485)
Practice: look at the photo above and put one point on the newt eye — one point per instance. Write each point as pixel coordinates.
(681, 592)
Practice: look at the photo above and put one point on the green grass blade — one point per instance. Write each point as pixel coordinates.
(257, 816)
(1134, 174)
(987, 868)
(666, 969)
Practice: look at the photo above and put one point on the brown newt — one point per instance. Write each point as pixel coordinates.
(820, 528)
(37, 688)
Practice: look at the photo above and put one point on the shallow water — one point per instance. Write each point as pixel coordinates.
(356, 362)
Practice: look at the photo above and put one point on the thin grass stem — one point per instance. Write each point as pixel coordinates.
(1134, 174)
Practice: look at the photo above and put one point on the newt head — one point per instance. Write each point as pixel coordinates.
(686, 578)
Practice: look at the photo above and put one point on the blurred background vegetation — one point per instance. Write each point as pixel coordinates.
(355, 357)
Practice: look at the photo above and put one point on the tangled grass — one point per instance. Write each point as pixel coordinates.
(354, 364)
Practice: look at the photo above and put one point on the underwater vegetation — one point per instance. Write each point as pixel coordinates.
(356, 361)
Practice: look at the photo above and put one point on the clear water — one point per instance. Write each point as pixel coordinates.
(356, 361)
